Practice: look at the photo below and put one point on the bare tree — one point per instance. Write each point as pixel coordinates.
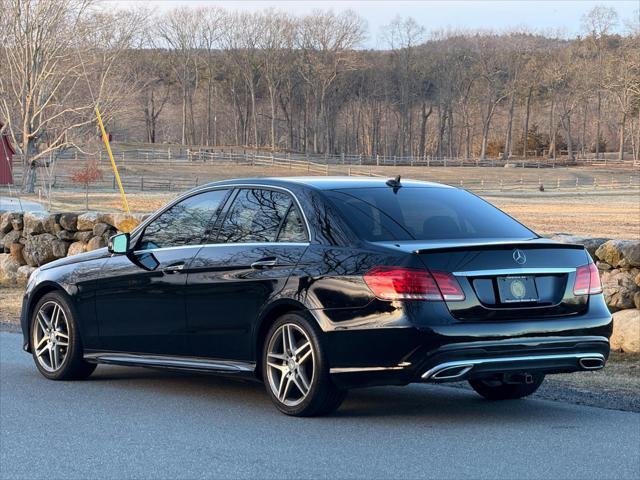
(326, 41)
(491, 85)
(178, 31)
(402, 36)
(243, 38)
(212, 31)
(42, 71)
(598, 23)
(621, 79)
(276, 44)
(51, 88)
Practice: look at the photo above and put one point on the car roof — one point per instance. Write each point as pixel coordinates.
(325, 183)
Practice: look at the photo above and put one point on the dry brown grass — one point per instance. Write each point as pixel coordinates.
(11, 303)
(586, 211)
(611, 216)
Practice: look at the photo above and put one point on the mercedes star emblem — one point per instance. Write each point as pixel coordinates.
(519, 257)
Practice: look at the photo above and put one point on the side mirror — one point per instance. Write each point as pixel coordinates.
(119, 244)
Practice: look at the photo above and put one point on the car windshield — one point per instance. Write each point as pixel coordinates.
(423, 213)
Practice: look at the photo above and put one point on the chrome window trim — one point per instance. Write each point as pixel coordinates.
(232, 244)
(513, 271)
(205, 189)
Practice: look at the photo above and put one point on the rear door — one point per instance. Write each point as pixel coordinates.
(247, 262)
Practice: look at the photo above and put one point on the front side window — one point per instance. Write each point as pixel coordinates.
(255, 216)
(185, 223)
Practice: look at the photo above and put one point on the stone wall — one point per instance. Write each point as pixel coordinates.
(619, 264)
(34, 238)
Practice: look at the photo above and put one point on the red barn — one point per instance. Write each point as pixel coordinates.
(6, 152)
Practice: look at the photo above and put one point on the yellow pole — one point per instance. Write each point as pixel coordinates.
(105, 138)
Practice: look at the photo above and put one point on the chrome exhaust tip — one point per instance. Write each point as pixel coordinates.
(447, 372)
(591, 363)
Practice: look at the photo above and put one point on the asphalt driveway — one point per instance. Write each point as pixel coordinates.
(137, 423)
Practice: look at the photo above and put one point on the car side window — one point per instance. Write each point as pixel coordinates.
(293, 227)
(185, 223)
(255, 216)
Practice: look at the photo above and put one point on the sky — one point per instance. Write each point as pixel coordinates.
(551, 16)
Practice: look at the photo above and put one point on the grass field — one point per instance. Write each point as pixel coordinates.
(606, 201)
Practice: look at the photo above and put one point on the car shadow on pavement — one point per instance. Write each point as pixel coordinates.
(434, 404)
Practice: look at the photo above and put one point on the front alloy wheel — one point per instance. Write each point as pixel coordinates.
(295, 369)
(51, 336)
(55, 341)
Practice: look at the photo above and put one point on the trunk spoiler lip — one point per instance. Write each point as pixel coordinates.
(432, 246)
(537, 243)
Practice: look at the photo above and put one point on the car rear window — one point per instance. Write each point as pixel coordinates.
(429, 213)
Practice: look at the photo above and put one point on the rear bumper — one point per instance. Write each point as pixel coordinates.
(468, 350)
(456, 362)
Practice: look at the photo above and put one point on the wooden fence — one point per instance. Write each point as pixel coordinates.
(160, 170)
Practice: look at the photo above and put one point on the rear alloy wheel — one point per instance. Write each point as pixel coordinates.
(295, 370)
(55, 343)
(501, 390)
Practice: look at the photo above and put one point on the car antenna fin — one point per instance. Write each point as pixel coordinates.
(394, 183)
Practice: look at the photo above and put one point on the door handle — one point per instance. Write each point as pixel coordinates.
(264, 263)
(173, 268)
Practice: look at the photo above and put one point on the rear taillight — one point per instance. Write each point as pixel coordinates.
(398, 283)
(587, 280)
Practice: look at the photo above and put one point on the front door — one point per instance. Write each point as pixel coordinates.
(141, 305)
(257, 245)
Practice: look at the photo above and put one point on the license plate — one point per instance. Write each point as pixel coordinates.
(517, 289)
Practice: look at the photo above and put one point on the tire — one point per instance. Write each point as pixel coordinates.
(501, 390)
(297, 379)
(56, 346)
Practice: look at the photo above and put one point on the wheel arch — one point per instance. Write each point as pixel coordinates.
(40, 291)
(267, 318)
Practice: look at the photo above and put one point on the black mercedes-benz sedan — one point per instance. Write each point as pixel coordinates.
(319, 285)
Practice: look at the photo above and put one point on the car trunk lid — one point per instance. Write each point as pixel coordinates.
(506, 279)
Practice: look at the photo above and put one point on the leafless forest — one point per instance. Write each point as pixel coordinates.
(211, 77)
